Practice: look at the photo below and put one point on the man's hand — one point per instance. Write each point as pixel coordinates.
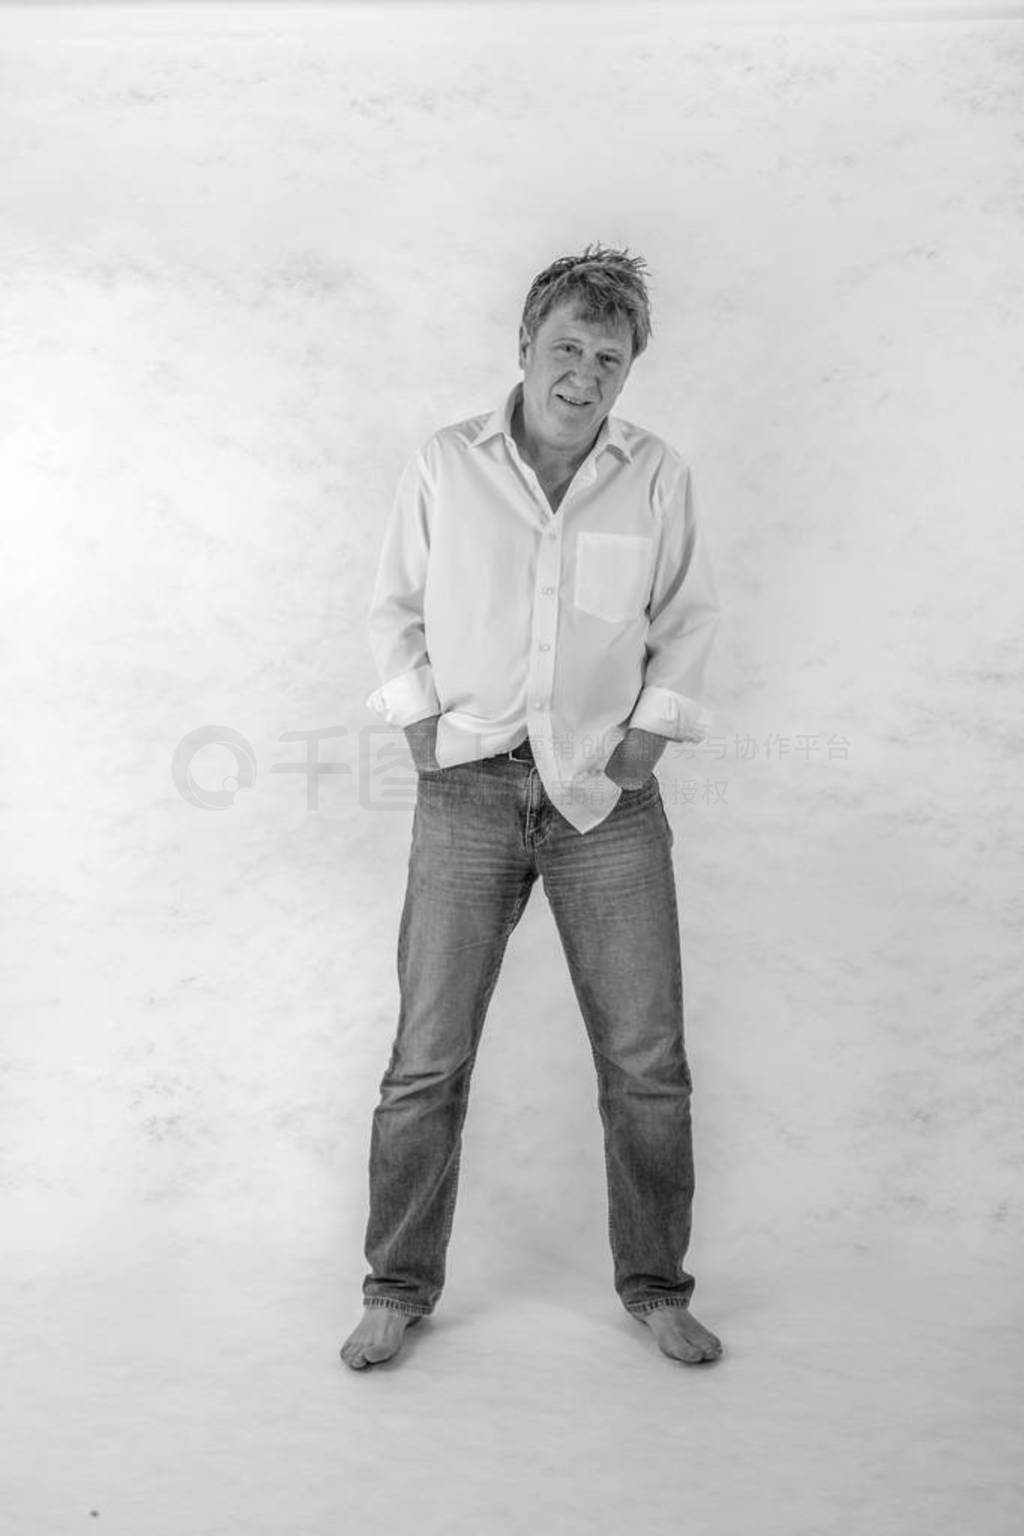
(635, 758)
(422, 739)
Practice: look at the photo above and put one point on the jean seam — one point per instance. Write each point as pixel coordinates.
(449, 1214)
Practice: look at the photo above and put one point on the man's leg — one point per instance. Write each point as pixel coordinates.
(612, 893)
(468, 884)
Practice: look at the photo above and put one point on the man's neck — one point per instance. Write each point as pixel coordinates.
(548, 465)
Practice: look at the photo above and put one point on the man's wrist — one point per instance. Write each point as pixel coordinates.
(422, 727)
(645, 745)
(421, 739)
(635, 758)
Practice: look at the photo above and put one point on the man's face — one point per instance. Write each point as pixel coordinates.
(572, 360)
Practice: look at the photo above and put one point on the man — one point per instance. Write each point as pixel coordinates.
(541, 621)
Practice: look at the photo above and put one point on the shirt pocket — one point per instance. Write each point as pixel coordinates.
(613, 573)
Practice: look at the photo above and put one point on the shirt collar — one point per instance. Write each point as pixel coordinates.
(499, 422)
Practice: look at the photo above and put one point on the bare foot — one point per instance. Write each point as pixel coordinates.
(680, 1336)
(378, 1337)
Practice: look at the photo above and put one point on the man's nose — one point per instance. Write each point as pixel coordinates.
(584, 380)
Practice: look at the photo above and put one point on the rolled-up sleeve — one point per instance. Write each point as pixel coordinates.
(395, 618)
(683, 617)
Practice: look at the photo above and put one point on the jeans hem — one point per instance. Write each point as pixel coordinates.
(641, 1308)
(396, 1306)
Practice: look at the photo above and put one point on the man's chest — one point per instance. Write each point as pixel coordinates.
(478, 501)
(554, 488)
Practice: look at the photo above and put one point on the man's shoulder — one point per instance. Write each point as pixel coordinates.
(463, 433)
(454, 438)
(663, 468)
(649, 450)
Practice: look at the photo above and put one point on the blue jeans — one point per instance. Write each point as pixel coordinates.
(482, 833)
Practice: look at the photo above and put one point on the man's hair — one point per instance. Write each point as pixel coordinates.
(607, 285)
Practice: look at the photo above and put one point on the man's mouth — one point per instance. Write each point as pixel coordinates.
(571, 400)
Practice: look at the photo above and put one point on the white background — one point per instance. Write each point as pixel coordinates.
(250, 257)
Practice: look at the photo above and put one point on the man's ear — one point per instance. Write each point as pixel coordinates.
(524, 342)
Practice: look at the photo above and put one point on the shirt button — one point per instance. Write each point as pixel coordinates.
(538, 704)
(544, 646)
(547, 591)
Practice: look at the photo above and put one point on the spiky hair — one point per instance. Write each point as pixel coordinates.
(608, 286)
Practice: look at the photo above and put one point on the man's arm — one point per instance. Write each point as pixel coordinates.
(407, 696)
(683, 619)
(422, 739)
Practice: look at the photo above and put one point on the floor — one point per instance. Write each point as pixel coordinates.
(176, 1381)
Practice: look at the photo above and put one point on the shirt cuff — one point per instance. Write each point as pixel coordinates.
(665, 713)
(407, 698)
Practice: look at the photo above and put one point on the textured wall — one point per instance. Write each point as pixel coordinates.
(247, 265)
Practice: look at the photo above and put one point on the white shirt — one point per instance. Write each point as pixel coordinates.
(509, 620)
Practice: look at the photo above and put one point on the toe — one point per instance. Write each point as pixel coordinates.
(375, 1353)
(712, 1346)
(688, 1353)
(681, 1337)
(677, 1347)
